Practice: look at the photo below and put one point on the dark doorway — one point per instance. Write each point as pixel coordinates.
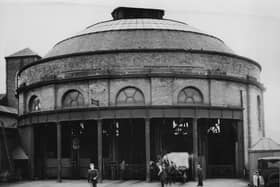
(45, 151)
(110, 138)
(124, 139)
(220, 136)
(79, 148)
(170, 135)
(41, 133)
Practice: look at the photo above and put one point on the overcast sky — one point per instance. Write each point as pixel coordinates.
(250, 27)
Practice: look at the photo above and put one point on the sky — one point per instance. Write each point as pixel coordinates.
(250, 27)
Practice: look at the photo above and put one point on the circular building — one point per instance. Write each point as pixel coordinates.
(135, 88)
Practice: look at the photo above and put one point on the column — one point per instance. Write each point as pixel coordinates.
(59, 167)
(240, 148)
(99, 148)
(31, 148)
(148, 149)
(115, 160)
(195, 147)
(45, 157)
(1, 151)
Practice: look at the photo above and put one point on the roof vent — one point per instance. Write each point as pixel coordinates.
(132, 13)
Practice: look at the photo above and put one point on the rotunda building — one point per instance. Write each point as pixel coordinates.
(135, 88)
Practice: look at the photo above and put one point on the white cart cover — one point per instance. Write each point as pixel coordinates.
(180, 159)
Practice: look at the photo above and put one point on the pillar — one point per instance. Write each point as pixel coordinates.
(248, 98)
(148, 149)
(59, 167)
(1, 152)
(99, 148)
(195, 147)
(31, 148)
(45, 157)
(240, 148)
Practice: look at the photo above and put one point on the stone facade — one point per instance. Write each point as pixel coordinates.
(125, 63)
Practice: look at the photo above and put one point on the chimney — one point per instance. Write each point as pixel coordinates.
(133, 13)
(14, 63)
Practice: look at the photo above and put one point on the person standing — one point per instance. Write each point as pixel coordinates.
(199, 175)
(122, 169)
(92, 175)
(162, 173)
(258, 180)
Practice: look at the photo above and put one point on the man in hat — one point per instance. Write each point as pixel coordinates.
(92, 175)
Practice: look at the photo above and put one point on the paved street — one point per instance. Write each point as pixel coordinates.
(107, 183)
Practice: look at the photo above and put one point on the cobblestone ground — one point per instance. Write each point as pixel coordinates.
(107, 183)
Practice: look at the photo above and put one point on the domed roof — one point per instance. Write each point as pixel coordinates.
(132, 24)
(138, 33)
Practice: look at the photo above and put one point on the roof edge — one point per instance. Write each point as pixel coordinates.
(26, 52)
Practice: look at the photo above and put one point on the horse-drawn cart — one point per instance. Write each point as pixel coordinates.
(178, 168)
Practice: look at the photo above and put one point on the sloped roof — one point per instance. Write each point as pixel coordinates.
(265, 144)
(23, 52)
(2, 96)
(129, 34)
(7, 109)
(2, 99)
(19, 154)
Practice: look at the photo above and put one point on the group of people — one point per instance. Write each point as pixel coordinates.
(169, 173)
(166, 171)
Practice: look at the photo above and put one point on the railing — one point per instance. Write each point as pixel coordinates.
(132, 171)
(220, 170)
(67, 167)
(113, 107)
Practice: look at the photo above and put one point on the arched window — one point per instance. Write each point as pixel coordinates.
(190, 95)
(34, 104)
(130, 96)
(73, 98)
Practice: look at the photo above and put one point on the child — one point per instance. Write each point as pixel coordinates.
(199, 175)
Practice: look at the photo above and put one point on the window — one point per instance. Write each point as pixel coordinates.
(34, 104)
(259, 112)
(73, 98)
(190, 95)
(130, 96)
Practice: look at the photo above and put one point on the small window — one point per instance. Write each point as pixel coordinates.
(73, 98)
(130, 96)
(34, 104)
(190, 95)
